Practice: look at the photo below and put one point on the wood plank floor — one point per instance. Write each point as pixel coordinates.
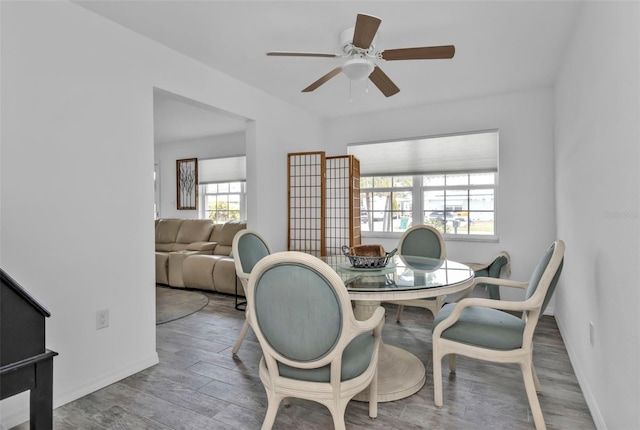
(199, 385)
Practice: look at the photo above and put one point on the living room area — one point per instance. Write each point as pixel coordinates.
(78, 93)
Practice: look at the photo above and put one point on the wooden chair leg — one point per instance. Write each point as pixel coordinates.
(243, 333)
(452, 363)
(534, 403)
(337, 413)
(439, 304)
(399, 313)
(437, 377)
(373, 396)
(272, 410)
(535, 379)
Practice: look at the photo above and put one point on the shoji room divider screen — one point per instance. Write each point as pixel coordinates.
(324, 202)
(342, 203)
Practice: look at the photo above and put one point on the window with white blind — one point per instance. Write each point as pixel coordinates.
(222, 188)
(449, 182)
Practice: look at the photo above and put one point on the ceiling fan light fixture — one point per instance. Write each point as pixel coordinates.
(358, 69)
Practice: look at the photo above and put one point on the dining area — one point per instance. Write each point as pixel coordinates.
(320, 323)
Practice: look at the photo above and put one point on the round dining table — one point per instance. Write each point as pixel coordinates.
(400, 373)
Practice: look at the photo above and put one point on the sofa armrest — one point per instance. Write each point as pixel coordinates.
(202, 246)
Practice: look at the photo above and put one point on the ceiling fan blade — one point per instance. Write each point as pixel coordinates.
(365, 31)
(322, 80)
(300, 54)
(382, 81)
(424, 53)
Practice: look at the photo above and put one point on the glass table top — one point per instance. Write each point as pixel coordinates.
(402, 273)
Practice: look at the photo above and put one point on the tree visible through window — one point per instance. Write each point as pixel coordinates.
(223, 202)
(386, 203)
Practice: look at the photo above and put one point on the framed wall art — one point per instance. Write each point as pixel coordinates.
(187, 184)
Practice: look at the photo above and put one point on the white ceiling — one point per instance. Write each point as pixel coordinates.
(501, 46)
(176, 119)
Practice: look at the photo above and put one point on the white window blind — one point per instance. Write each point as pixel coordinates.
(466, 152)
(228, 169)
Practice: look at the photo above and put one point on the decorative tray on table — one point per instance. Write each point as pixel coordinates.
(368, 256)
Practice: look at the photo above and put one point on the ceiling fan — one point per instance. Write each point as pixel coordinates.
(359, 50)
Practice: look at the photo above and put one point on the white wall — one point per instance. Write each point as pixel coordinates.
(77, 179)
(526, 204)
(166, 155)
(598, 206)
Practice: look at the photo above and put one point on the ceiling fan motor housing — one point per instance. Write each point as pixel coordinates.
(346, 42)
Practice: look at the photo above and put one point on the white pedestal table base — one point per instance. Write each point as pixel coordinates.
(400, 373)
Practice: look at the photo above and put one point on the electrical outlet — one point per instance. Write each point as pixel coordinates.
(592, 333)
(102, 319)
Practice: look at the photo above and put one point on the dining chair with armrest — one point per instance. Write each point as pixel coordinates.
(421, 241)
(249, 248)
(491, 269)
(313, 346)
(486, 329)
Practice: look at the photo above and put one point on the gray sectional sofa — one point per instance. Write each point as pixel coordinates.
(196, 253)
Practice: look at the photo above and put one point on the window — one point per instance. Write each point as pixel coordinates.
(449, 182)
(460, 204)
(223, 202)
(222, 189)
(386, 203)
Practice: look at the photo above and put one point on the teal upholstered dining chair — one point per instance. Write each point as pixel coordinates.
(249, 247)
(492, 269)
(486, 329)
(313, 346)
(421, 241)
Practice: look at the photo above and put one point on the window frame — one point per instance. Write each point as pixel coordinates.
(391, 189)
(466, 152)
(202, 191)
(417, 190)
(468, 187)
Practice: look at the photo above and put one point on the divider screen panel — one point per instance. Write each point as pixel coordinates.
(306, 202)
(342, 203)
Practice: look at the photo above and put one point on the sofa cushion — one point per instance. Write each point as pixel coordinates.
(216, 233)
(202, 246)
(224, 277)
(194, 230)
(175, 267)
(167, 230)
(164, 247)
(162, 266)
(197, 271)
(229, 231)
(227, 234)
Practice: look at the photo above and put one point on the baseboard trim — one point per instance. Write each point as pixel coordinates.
(21, 415)
(598, 420)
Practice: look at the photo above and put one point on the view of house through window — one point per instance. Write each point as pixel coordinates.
(449, 182)
(458, 204)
